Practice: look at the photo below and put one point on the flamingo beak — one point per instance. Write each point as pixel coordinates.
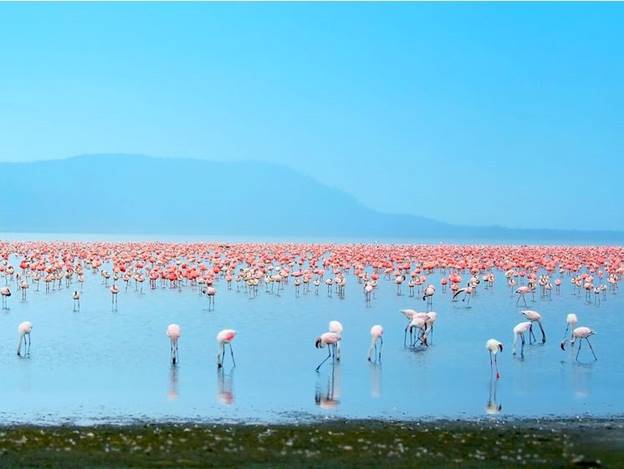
(500, 347)
(562, 345)
(317, 344)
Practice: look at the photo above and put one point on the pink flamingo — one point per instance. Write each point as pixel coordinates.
(174, 332)
(336, 328)
(494, 346)
(519, 330)
(428, 295)
(114, 291)
(536, 317)
(225, 337)
(467, 291)
(521, 292)
(76, 298)
(6, 293)
(581, 333)
(329, 339)
(376, 333)
(24, 330)
(210, 293)
(571, 322)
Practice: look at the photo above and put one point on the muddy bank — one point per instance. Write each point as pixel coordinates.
(536, 443)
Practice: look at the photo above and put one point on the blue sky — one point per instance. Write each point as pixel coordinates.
(475, 114)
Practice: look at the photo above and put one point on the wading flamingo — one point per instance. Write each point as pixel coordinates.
(24, 288)
(519, 330)
(211, 293)
(420, 323)
(428, 295)
(76, 298)
(536, 317)
(467, 291)
(581, 333)
(494, 346)
(329, 339)
(173, 332)
(376, 333)
(114, 291)
(571, 322)
(521, 292)
(336, 328)
(6, 293)
(225, 337)
(24, 330)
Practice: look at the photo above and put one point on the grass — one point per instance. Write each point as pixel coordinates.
(489, 444)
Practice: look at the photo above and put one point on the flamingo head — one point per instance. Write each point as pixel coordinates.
(500, 347)
(318, 343)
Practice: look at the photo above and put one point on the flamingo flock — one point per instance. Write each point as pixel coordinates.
(254, 269)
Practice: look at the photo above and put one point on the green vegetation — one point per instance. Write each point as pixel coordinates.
(489, 444)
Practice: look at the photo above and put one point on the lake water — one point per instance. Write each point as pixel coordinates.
(99, 365)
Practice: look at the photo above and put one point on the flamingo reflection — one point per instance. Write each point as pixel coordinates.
(172, 394)
(493, 407)
(328, 397)
(225, 392)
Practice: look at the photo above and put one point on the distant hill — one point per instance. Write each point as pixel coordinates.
(140, 194)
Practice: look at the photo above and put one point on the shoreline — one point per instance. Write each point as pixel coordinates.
(448, 443)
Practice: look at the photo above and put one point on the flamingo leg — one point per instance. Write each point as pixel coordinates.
(591, 348)
(579, 349)
(539, 323)
(380, 346)
(232, 355)
(326, 358)
(496, 367)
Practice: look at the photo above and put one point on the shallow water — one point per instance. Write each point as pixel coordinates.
(103, 365)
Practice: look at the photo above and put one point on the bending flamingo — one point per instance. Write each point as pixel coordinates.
(225, 337)
(494, 346)
(376, 333)
(24, 330)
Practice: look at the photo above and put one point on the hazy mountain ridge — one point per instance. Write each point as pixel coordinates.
(140, 194)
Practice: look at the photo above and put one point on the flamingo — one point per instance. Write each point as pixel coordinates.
(173, 332)
(329, 339)
(428, 295)
(432, 317)
(467, 291)
(494, 346)
(534, 316)
(6, 293)
(336, 328)
(225, 337)
(519, 330)
(211, 292)
(521, 292)
(114, 291)
(418, 322)
(76, 298)
(24, 330)
(376, 333)
(368, 291)
(24, 288)
(571, 322)
(581, 333)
